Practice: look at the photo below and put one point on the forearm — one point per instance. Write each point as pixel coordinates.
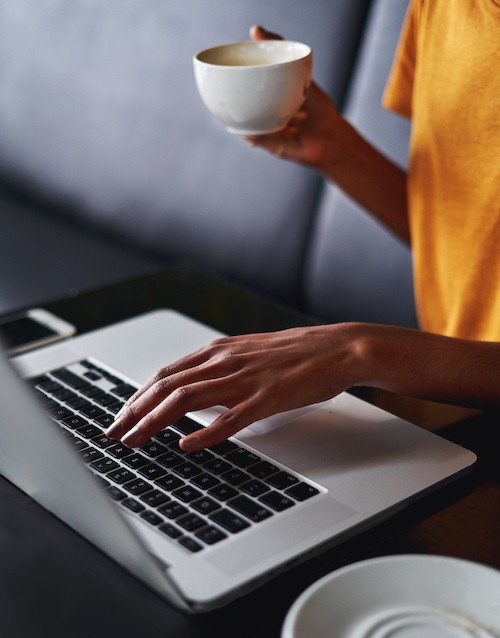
(429, 366)
(367, 176)
(257, 375)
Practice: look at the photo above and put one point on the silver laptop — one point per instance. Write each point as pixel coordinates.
(202, 528)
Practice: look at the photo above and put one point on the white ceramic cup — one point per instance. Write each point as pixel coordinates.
(254, 87)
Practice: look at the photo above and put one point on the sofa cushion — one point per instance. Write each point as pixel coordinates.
(98, 107)
(356, 270)
(44, 258)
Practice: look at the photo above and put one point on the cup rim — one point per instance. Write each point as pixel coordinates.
(197, 57)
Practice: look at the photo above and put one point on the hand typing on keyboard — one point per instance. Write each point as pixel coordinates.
(254, 376)
(195, 498)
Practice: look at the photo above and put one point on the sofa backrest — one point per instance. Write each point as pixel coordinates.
(99, 113)
(356, 270)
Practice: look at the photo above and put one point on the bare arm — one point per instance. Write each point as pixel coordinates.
(320, 138)
(257, 375)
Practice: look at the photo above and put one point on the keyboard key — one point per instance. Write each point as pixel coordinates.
(115, 493)
(249, 508)
(302, 491)
(116, 407)
(210, 535)
(93, 376)
(92, 411)
(104, 399)
(102, 441)
(170, 530)
(169, 482)
(187, 470)
(242, 458)
(133, 505)
(223, 492)
(170, 459)
(155, 498)
(40, 380)
(119, 451)
(90, 454)
(205, 481)
(200, 456)
(190, 544)
(173, 510)
(186, 494)
(124, 390)
(137, 486)
(60, 412)
(88, 431)
(151, 517)
(230, 521)
(263, 469)
(152, 449)
(217, 466)
(90, 390)
(254, 488)
(105, 420)
(48, 385)
(190, 522)
(69, 378)
(78, 403)
(103, 465)
(78, 443)
(276, 501)
(121, 475)
(167, 436)
(136, 461)
(235, 477)
(282, 480)
(205, 505)
(153, 471)
(64, 394)
(223, 448)
(75, 421)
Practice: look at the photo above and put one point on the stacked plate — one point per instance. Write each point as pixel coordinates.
(407, 596)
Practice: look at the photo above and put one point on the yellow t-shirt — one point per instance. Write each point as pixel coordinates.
(446, 78)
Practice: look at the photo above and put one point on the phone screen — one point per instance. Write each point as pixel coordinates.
(24, 330)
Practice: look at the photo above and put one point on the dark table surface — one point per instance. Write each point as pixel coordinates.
(53, 583)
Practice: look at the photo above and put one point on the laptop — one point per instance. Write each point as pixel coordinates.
(203, 528)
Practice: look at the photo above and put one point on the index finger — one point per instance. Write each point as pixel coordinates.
(186, 363)
(259, 33)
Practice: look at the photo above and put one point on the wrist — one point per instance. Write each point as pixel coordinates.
(358, 363)
(339, 149)
(373, 354)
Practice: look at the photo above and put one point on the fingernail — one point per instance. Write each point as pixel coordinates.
(189, 442)
(113, 429)
(120, 411)
(131, 438)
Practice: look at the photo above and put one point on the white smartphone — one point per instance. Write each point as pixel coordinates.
(33, 328)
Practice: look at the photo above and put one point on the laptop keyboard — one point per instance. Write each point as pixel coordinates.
(197, 499)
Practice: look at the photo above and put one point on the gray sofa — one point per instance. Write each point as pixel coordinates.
(110, 166)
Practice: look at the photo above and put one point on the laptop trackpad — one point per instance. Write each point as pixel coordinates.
(277, 420)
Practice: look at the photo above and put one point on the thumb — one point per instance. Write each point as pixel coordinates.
(259, 33)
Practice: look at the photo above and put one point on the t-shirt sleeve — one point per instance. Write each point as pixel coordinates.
(398, 91)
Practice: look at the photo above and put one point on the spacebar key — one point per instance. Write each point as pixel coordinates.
(248, 508)
(229, 521)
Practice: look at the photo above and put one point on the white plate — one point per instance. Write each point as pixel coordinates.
(407, 596)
